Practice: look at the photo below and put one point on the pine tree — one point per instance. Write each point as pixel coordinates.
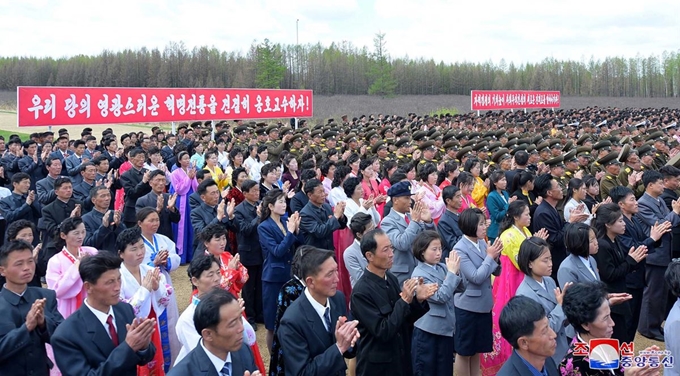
(384, 83)
(269, 66)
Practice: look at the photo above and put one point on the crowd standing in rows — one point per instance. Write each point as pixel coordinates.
(395, 242)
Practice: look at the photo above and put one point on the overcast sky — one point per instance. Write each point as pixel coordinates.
(477, 30)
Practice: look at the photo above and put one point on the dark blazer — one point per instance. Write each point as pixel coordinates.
(45, 190)
(57, 153)
(81, 192)
(55, 213)
(246, 221)
(14, 207)
(73, 167)
(650, 211)
(634, 237)
(546, 216)
(83, 347)
(114, 162)
(514, 366)
(134, 189)
(167, 217)
(23, 352)
(449, 231)
(308, 348)
(668, 196)
(298, 202)
(277, 250)
(194, 200)
(614, 265)
(36, 170)
(197, 363)
(98, 236)
(317, 224)
(204, 215)
(385, 324)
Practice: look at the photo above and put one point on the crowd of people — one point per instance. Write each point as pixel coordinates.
(414, 245)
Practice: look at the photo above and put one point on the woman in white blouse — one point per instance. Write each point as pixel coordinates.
(355, 203)
(337, 192)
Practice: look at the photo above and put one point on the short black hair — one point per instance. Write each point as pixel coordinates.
(607, 214)
(248, 185)
(58, 182)
(426, 170)
(519, 317)
(18, 225)
(127, 237)
(235, 174)
(530, 250)
(211, 231)
(581, 302)
(207, 314)
(311, 260)
(93, 266)
(619, 193)
(155, 173)
(669, 171)
(19, 177)
(203, 187)
(577, 239)
(542, 185)
(13, 246)
(350, 185)
(469, 221)
(95, 190)
(311, 185)
(137, 151)
(672, 277)
(368, 242)
(651, 176)
(521, 158)
(449, 192)
(200, 264)
(77, 143)
(423, 241)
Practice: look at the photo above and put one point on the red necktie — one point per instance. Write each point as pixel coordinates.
(112, 330)
(408, 221)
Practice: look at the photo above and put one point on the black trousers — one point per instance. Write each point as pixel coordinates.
(252, 293)
(654, 301)
(635, 306)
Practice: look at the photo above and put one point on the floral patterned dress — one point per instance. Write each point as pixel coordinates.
(290, 291)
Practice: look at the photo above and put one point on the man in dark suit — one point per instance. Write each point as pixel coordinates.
(22, 204)
(75, 161)
(103, 337)
(547, 217)
(63, 207)
(112, 154)
(523, 323)
(102, 225)
(45, 186)
(164, 203)
(28, 315)
(61, 151)
(671, 184)
(211, 210)
(521, 160)
(221, 350)
(386, 311)
(194, 198)
(317, 220)
(448, 223)
(135, 182)
(81, 191)
(652, 210)
(246, 220)
(314, 332)
(31, 163)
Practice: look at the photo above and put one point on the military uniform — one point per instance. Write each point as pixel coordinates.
(639, 189)
(608, 182)
(660, 160)
(274, 148)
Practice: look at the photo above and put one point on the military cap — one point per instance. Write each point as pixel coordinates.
(570, 156)
(450, 145)
(297, 137)
(523, 140)
(568, 146)
(402, 142)
(435, 136)
(316, 133)
(536, 139)
(531, 149)
(378, 145)
(447, 136)
(494, 145)
(501, 154)
(584, 151)
(611, 158)
(555, 144)
(671, 125)
(240, 129)
(512, 142)
(271, 128)
(427, 145)
(637, 138)
(400, 132)
(472, 135)
(675, 161)
(654, 136)
(517, 148)
(420, 135)
(556, 161)
(462, 152)
(371, 135)
(623, 154)
(581, 140)
(286, 130)
(480, 146)
(645, 149)
(329, 135)
(196, 124)
(543, 145)
(499, 133)
(260, 131)
(602, 144)
(350, 137)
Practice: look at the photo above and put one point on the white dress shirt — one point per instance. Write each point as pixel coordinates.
(103, 317)
(217, 362)
(320, 310)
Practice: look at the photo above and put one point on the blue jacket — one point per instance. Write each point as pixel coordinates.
(497, 206)
(277, 250)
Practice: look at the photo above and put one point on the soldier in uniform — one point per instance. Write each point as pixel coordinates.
(241, 141)
(661, 156)
(632, 164)
(296, 146)
(600, 150)
(502, 159)
(571, 167)
(543, 149)
(317, 144)
(330, 143)
(555, 148)
(428, 149)
(261, 136)
(611, 178)
(646, 153)
(402, 155)
(274, 145)
(556, 166)
(585, 158)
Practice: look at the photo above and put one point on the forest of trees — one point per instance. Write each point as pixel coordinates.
(343, 68)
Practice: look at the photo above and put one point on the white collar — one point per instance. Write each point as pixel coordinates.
(586, 262)
(402, 215)
(320, 310)
(216, 362)
(101, 316)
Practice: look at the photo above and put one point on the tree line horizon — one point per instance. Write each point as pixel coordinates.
(343, 69)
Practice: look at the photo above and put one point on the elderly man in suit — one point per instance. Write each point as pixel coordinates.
(386, 310)
(103, 337)
(211, 210)
(403, 225)
(523, 323)
(164, 203)
(315, 334)
(102, 225)
(135, 182)
(318, 221)
(221, 350)
(546, 216)
(45, 186)
(28, 315)
(652, 210)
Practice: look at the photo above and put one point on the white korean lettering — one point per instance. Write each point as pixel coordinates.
(213, 105)
(267, 102)
(258, 104)
(50, 106)
(36, 105)
(284, 104)
(141, 105)
(170, 104)
(129, 107)
(191, 104)
(301, 103)
(245, 103)
(116, 105)
(85, 106)
(226, 102)
(292, 103)
(71, 104)
(154, 106)
(103, 105)
(201, 104)
(276, 105)
(181, 104)
(236, 104)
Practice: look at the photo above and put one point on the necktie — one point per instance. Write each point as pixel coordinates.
(226, 370)
(408, 221)
(327, 318)
(112, 330)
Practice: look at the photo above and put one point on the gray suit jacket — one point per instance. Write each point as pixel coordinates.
(440, 319)
(572, 269)
(673, 345)
(402, 236)
(651, 210)
(546, 296)
(476, 268)
(355, 262)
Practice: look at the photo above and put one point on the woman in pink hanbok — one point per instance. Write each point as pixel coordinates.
(428, 191)
(183, 182)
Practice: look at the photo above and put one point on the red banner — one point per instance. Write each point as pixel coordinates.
(48, 105)
(481, 100)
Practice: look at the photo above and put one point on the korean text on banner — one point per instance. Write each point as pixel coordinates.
(482, 100)
(48, 105)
